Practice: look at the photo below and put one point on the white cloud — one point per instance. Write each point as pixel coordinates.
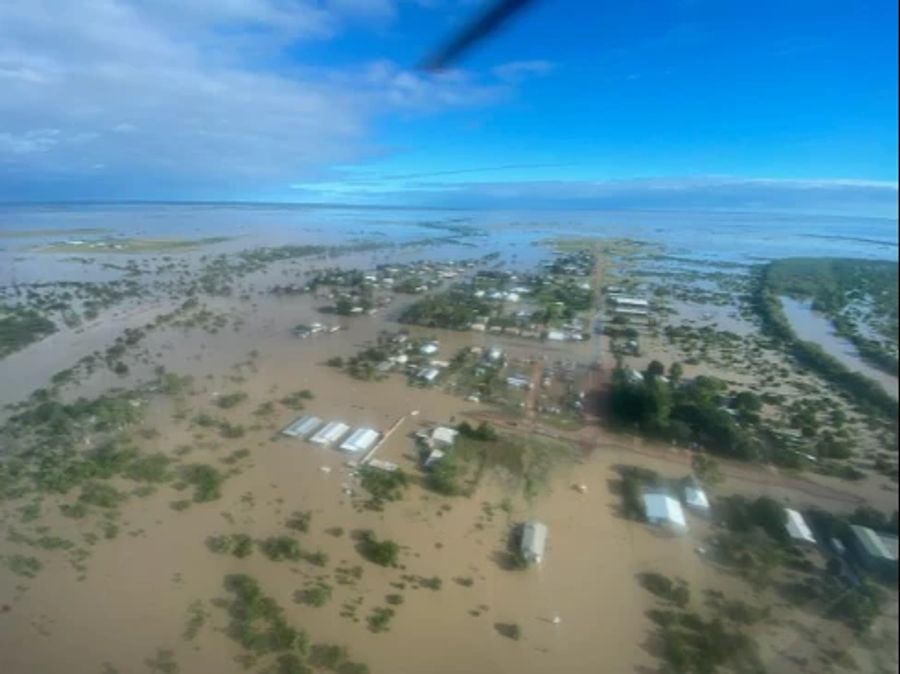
(174, 91)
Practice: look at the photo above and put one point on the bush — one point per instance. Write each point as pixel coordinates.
(230, 400)
(383, 553)
(318, 595)
(280, 548)
(299, 521)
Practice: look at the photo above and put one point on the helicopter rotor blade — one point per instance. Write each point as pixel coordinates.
(484, 25)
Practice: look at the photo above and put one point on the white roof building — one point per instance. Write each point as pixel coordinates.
(429, 374)
(797, 528)
(556, 336)
(428, 349)
(635, 302)
(443, 436)
(665, 511)
(696, 499)
(330, 433)
(360, 440)
(433, 458)
(302, 427)
(534, 541)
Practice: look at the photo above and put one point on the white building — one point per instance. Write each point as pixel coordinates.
(329, 433)
(360, 440)
(429, 349)
(534, 541)
(633, 302)
(429, 374)
(302, 427)
(556, 336)
(696, 499)
(433, 459)
(665, 511)
(443, 437)
(797, 528)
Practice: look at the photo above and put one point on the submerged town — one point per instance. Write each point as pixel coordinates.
(434, 456)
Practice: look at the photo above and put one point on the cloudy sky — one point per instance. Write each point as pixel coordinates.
(787, 104)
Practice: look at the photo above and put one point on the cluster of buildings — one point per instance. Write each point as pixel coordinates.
(328, 434)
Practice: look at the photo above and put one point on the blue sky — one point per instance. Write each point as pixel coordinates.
(646, 103)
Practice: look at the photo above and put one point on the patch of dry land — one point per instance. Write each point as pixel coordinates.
(156, 519)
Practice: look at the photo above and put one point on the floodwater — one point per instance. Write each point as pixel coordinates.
(812, 326)
(135, 595)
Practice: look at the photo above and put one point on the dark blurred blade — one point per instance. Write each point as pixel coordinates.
(488, 22)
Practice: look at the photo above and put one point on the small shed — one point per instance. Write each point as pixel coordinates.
(534, 541)
(665, 511)
(696, 499)
(798, 529)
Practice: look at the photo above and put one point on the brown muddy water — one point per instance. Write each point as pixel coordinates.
(135, 594)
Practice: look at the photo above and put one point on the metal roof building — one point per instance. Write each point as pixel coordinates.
(696, 499)
(360, 440)
(534, 541)
(330, 433)
(665, 511)
(871, 549)
(797, 528)
(302, 427)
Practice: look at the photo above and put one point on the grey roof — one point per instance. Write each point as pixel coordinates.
(534, 538)
(872, 543)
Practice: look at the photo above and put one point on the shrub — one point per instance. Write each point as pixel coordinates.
(383, 553)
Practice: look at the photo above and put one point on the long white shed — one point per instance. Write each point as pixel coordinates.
(330, 433)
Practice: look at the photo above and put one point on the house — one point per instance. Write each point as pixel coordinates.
(633, 376)
(556, 336)
(871, 551)
(433, 458)
(534, 541)
(443, 437)
(360, 440)
(386, 466)
(429, 374)
(665, 511)
(429, 349)
(302, 427)
(695, 499)
(495, 353)
(518, 381)
(329, 433)
(798, 529)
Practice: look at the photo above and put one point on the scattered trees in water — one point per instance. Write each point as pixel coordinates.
(20, 326)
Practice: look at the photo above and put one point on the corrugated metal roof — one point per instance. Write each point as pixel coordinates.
(664, 508)
(329, 433)
(360, 440)
(534, 540)
(797, 527)
(302, 426)
(872, 543)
